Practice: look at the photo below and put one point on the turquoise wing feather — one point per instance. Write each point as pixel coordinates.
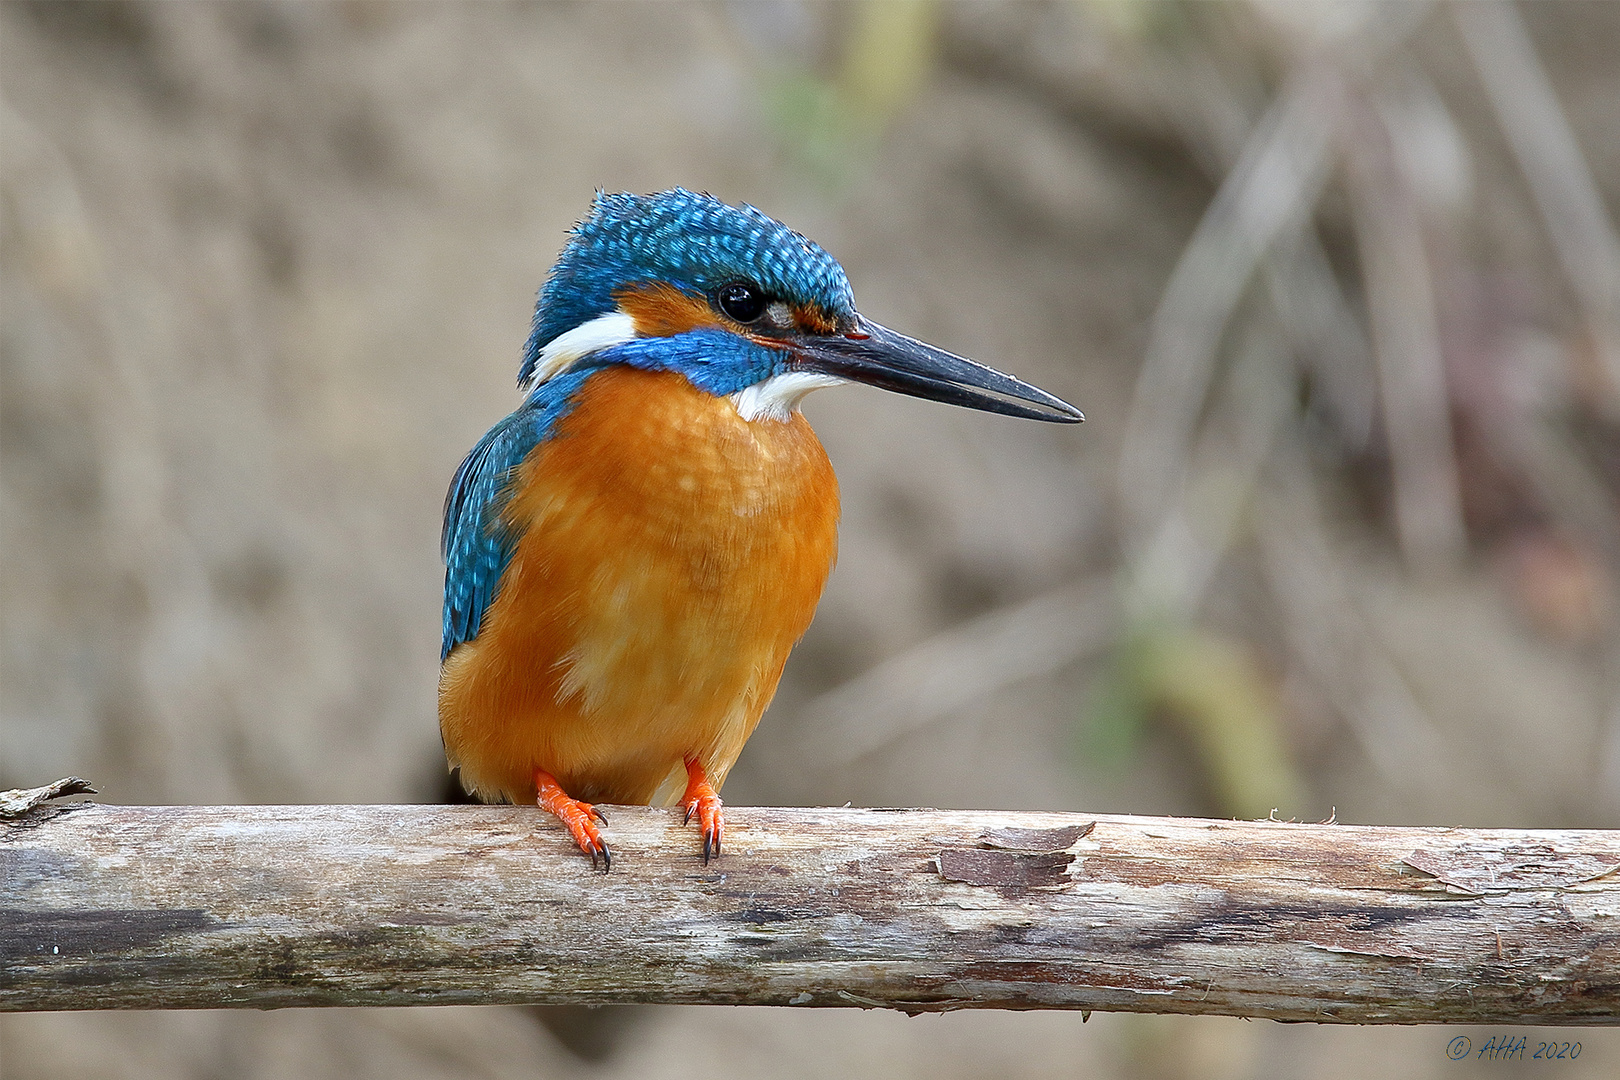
(476, 544)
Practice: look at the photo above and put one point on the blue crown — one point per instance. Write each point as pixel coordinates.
(691, 241)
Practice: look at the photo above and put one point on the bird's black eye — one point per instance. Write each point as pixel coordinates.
(741, 301)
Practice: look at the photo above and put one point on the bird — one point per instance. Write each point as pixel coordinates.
(633, 552)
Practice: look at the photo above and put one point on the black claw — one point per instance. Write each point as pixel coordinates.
(598, 815)
(690, 809)
(599, 848)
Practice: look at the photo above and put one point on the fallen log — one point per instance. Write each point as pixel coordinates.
(148, 907)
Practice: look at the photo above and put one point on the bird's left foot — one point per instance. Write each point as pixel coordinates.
(703, 802)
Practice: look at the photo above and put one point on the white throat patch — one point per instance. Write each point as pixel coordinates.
(777, 397)
(560, 353)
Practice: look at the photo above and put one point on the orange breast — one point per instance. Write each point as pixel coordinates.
(673, 554)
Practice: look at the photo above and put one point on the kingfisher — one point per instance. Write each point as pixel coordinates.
(631, 555)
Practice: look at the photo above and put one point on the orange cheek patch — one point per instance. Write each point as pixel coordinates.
(812, 320)
(660, 310)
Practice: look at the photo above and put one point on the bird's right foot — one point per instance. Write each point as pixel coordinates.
(703, 803)
(576, 816)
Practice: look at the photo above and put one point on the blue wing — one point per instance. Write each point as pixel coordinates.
(476, 544)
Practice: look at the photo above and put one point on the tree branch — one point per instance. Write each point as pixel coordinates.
(127, 907)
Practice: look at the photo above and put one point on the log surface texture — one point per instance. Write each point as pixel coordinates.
(126, 907)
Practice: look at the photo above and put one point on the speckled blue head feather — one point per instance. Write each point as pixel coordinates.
(692, 241)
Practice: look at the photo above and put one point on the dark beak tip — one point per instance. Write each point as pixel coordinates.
(1057, 411)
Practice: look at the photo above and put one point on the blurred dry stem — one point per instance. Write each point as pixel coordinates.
(1356, 109)
(1215, 689)
(1273, 186)
(1416, 409)
(1560, 181)
(1171, 576)
(1333, 642)
(949, 672)
(1183, 497)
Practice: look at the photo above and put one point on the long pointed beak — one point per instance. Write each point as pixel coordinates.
(878, 356)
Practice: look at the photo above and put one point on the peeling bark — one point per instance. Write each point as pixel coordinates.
(922, 910)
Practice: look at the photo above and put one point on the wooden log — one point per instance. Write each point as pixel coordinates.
(128, 907)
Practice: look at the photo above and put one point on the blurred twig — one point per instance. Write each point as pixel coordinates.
(1324, 333)
(1171, 573)
(1217, 120)
(951, 670)
(1274, 185)
(1261, 218)
(1329, 638)
(1406, 344)
(1210, 684)
(1560, 181)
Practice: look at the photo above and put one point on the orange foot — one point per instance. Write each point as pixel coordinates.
(576, 816)
(702, 800)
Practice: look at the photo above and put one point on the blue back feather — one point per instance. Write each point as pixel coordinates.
(475, 544)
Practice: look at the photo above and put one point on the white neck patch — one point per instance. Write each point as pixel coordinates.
(777, 397)
(561, 352)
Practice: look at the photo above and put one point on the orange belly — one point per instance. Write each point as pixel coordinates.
(673, 554)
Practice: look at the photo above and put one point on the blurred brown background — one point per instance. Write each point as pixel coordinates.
(1337, 285)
